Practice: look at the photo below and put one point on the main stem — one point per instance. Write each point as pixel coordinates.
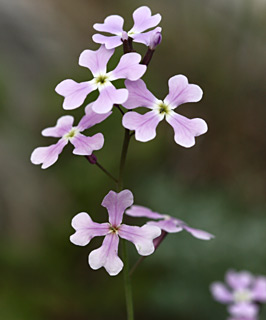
(127, 280)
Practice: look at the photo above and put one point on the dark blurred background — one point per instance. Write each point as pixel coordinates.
(219, 185)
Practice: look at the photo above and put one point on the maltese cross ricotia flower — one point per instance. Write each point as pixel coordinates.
(76, 93)
(167, 223)
(107, 255)
(180, 91)
(242, 291)
(65, 130)
(143, 20)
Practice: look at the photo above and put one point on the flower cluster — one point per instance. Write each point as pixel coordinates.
(130, 67)
(243, 292)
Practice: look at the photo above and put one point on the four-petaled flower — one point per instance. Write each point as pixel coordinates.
(75, 93)
(107, 255)
(180, 91)
(143, 20)
(65, 130)
(166, 223)
(242, 291)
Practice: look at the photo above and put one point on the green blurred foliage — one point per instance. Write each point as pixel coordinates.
(218, 185)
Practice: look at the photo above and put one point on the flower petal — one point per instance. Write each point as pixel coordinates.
(109, 96)
(139, 211)
(180, 91)
(84, 146)
(112, 24)
(75, 93)
(107, 256)
(47, 156)
(143, 19)
(243, 309)
(86, 229)
(239, 280)
(144, 124)
(197, 233)
(110, 42)
(142, 237)
(259, 289)
(91, 118)
(116, 204)
(97, 60)
(146, 37)
(138, 95)
(63, 125)
(168, 225)
(128, 68)
(221, 293)
(186, 129)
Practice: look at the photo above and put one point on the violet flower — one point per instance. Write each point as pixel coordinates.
(242, 291)
(107, 255)
(167, 223)
(65, 130)
(180, 91)
(143, 20)
(75, 93)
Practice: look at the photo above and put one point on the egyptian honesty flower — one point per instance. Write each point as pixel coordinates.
(143, 20)
(242, 291)
(180, 91)
(76, 93)
(167, 223)
(66, 132)
(107, 255)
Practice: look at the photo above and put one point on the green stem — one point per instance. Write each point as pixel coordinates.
(127, 284)
(106, 172)
(123, 159)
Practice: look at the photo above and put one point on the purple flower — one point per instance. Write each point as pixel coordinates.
(180, 91)
(143, 20)
(64, 130)
(75, 93)
(107, 255)
(242, 292)
(167, 223)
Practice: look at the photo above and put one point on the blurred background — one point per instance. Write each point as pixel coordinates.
(219, 185)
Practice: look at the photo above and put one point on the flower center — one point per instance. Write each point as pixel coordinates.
(71, 133)
(114, 229)
(242, 296)
(163, 108)
(102, 79)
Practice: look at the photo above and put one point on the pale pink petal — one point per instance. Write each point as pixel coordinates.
(91, 118)
(239, 280)
(63, 126)
(138, 95)
(112, 24)
(139, 211)
(107, 256)
(168, 225)
(146, 37)
(186, 129)
(143, 20)
(199, 234)
(75, 93)
(221, 293)
(259, 289)
(110, 42)
(129, 67)
(116, 204)
(142, 237)
(109, 96)
(180, 91)
(97, 60)
(85, 146)
(48, 155)
(86, 229)
(243, 309)
(144, 124)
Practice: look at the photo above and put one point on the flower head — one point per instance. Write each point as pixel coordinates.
(143, 20)
(76, 93)
(180, 91)
(65, 130)
(107, 255)
(242, 291)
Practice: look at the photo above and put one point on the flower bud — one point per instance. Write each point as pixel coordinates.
(156, 39)
(124, 36)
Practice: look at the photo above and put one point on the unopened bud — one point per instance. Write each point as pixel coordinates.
(92, 159)
(156, 39)
(124, 36)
